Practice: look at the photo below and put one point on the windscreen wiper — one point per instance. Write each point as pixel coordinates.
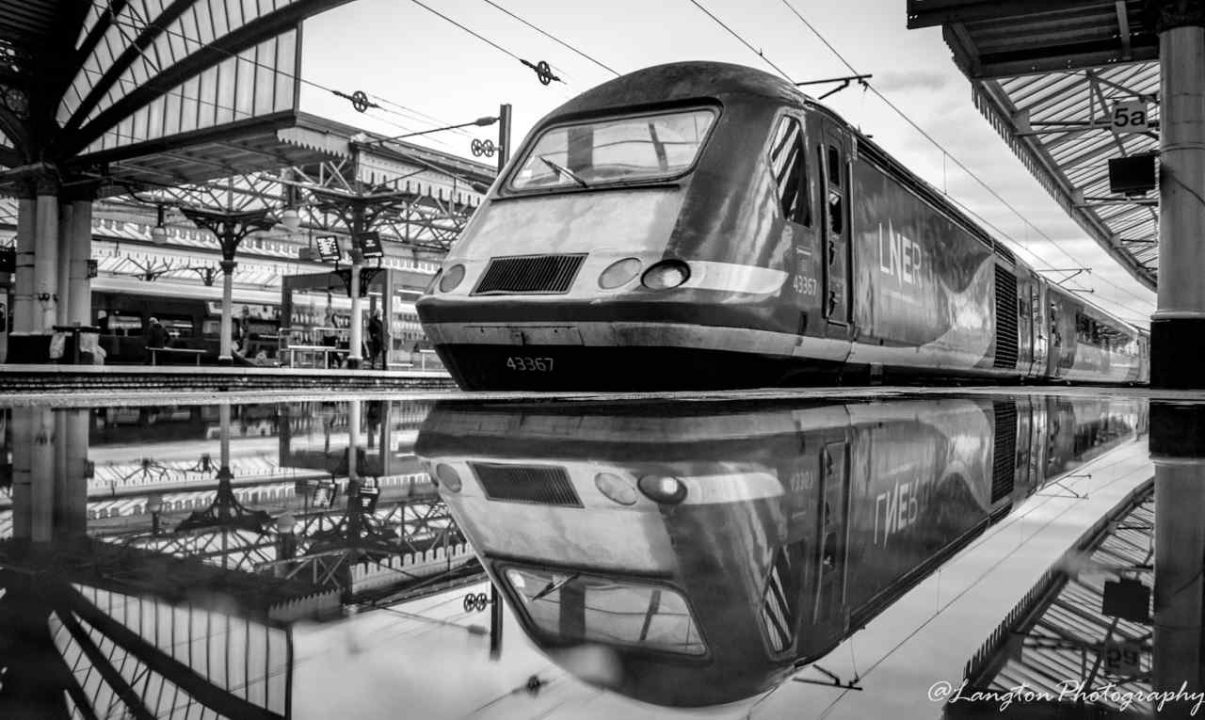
(554, 586)
(562, 170)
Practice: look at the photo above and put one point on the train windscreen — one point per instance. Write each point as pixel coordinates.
(614, 150)
(579, 607)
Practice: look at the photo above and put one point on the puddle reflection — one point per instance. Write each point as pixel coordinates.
(780, 559)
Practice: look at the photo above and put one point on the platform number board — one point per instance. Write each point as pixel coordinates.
(1122, 659)
(1130, 116)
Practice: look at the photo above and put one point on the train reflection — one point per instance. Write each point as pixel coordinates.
(696, 554)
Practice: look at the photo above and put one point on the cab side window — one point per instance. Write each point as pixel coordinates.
(788, 163)
(836, 213)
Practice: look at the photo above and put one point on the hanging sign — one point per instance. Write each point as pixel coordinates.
(1130, 116)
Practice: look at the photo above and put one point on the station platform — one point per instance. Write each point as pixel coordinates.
(19, 380)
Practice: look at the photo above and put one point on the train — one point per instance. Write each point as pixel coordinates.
(702, 224)
(699, 553)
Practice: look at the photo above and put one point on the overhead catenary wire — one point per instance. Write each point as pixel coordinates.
(947, 154)
(553, 38)
(238, 57)
(742, 40)
(479, 36)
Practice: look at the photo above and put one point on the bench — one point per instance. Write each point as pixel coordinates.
(179, 352)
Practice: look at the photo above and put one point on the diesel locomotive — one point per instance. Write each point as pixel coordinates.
(702, 553)
(702, 224)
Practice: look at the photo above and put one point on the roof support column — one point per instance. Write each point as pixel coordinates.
(46, 259)
(12, 343)
(230, 227)
(75, 249)
(1178, 325)
(1178, 451)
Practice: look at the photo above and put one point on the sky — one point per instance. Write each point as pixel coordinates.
(425, 73)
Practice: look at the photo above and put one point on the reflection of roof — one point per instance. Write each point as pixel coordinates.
(1047, 81)
(1054, 634)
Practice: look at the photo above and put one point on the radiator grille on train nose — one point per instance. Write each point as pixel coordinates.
(543, 484)
(530, 274)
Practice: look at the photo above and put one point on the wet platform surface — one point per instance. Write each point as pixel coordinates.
(814, 553)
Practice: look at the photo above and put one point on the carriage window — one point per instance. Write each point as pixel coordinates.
(614, 150)
(788, 162)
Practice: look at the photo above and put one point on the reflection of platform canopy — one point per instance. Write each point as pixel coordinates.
(1047, 78)
(88, 83)
(1059, 633)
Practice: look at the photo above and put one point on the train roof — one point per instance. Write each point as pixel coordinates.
(679, 82)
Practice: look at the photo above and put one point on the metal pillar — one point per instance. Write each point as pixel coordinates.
(354, 356)
(1178, 325)
(63, 281)
(1178, 451)
(226, 339)
(230, 227)
(23, 282)
(503, 136)
(46, 260)
(79, 285)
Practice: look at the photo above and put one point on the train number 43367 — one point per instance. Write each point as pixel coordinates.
(523, 363)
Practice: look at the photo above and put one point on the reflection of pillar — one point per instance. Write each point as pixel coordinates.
(224, 435)
(353, 440)
(79, 285)
(1178, 326)
(71, 486)
(33, 473)
(1178, 451)
(22, 439)
(46, 259)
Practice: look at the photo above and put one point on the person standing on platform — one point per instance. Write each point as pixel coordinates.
(156, 337)
(376, 338)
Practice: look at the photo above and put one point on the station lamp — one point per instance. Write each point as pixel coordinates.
(159, 232)
(291, 219)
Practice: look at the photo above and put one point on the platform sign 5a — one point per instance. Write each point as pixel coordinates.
(370, 244)
(1130, 116)
(328, 247)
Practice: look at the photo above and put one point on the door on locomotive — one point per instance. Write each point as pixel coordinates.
(788, 156)
(833, 151)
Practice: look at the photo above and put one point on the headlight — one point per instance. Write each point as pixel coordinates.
(619, 273)
(616, 488)
(663, 489)
(447, 477)
(451, 279)
(666, 274)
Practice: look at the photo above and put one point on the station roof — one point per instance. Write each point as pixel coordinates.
(171, 82)
(1047, 76)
